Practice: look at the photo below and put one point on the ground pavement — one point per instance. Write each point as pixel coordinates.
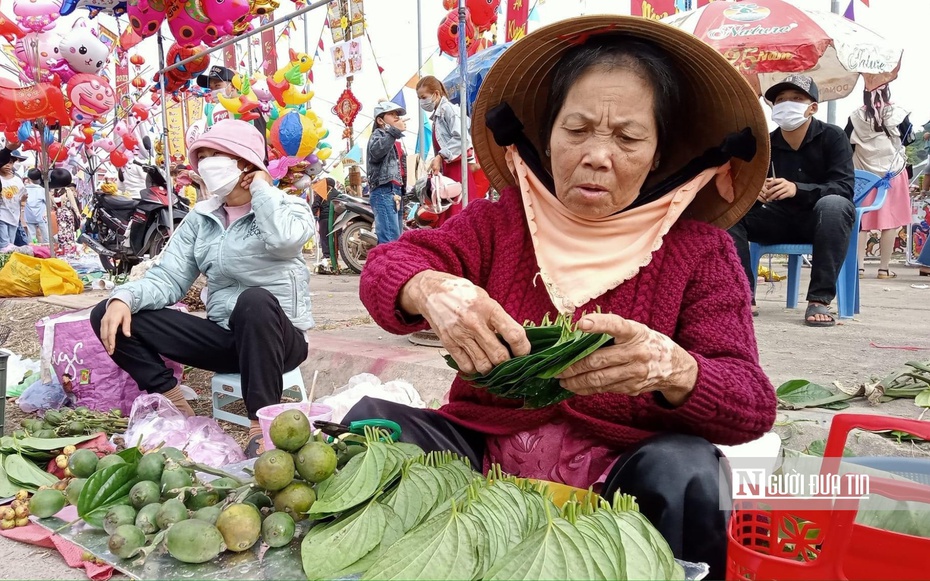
(895, 313)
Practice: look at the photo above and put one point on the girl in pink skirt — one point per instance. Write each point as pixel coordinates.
(875, 136)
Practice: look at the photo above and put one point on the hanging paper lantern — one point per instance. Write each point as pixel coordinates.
(448, 33)
(137, 60)
(294, 135)
(450, 4)
(138, 82)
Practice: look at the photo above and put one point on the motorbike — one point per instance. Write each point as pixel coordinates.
(123, 231)
(354, 227)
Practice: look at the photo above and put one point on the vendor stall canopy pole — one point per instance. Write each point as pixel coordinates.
(234, 40)
(166, 153)
(831, 105)
(463, 101)
(421, 149)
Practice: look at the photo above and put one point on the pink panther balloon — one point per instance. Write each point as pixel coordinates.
(188, 23)
(225, 13)
(145, 16)
(37, 15)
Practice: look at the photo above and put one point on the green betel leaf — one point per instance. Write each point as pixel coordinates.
(333, 547)
(104, 490)
(442, 548)
(24, 474)
(556, 551)
(922, 399)
(352, 486)
(7, 488)
(800, 393)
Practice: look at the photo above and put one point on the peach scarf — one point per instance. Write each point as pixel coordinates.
(580, 259)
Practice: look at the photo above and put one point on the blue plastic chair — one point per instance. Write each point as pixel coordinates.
(847, 285)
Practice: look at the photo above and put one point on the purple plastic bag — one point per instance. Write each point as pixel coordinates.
(69, 346)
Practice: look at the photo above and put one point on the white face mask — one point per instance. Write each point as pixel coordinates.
(220, 174)
(789, 115)
(427, 105)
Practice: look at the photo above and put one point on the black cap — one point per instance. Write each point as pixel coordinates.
(802, 83)
(215, 72)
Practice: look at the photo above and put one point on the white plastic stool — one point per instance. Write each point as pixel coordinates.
(227, 388)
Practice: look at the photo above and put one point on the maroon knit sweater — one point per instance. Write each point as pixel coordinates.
(694, 291)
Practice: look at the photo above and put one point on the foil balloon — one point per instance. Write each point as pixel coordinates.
(224, 13)
(294, 135)
(189, 24)
(483, 13)
(118, 158)
(83, 50)
(145, 16)
(262, 7)
(9, 30)
(91, 97)
(39, 101)
(37, 15)
(47, 44)
(112, 7)
(177, 53)
(448, 33)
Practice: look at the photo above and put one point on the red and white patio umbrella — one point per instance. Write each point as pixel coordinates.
(766, 39)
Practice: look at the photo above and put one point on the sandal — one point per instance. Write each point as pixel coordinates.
(755, 311)
(861, 273)
(818, 309)
(888, 273)
(254, 447)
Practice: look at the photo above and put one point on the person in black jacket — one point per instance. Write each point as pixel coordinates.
(808, 197)
(320, 207)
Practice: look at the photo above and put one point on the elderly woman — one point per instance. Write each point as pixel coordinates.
(610, 201)
(247, 239)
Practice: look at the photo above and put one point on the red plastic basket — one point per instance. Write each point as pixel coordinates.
(767, 544)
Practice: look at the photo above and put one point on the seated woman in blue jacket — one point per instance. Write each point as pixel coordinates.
(247, 240)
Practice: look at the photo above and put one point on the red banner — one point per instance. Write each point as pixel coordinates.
(229, 58)
(518, 12)
(269, 52)
(658, 9)
(122, 79)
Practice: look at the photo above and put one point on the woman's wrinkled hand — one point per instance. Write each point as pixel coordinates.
(639, 361)
(435, 165)
(466, 320)
(118, 317)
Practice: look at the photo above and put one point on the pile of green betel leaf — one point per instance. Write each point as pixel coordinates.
(554, 348)
(431, 517)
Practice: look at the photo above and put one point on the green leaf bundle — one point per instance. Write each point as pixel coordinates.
(532, 378)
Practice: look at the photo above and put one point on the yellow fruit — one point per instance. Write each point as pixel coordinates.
(6, 525)
(21, 511)
(68, 473)
(16, 503)
(21, 522)
(7, 513)
(22, 495)
(68, 450)
(61, 461)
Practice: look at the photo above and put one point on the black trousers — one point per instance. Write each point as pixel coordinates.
(674, 477)
(261, 344)
(827, 227)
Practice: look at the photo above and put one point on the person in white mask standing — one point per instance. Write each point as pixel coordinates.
(807, 198)
(247, 240)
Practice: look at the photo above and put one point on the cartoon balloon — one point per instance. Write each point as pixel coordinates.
(112, 7)
(483, 13)
(47, 44)
(145, 16)
(39, 101)
(224, 13)
(189, 24)
(37, 15)
(91, 98)
(118, 158)
(448, 33)
(83, 50)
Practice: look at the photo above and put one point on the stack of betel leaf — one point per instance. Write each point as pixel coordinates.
(432, 517)
(554, 348)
